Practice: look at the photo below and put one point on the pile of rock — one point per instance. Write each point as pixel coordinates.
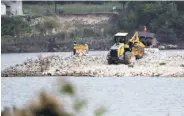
(154, 63)
(168, 46)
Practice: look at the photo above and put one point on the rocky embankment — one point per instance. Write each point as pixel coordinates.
(154, 63)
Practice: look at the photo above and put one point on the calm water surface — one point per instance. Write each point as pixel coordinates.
(126, 96)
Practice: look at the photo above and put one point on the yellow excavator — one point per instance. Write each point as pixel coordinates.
(136, 46)
(125, 50)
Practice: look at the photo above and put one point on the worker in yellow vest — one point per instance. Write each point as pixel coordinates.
(86, 44)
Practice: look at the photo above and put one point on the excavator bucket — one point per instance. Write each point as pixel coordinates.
(148, 39)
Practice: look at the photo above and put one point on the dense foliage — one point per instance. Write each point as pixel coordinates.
(14, 26)
(163, 18)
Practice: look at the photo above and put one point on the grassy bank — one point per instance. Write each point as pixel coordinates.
(45, 9)
(48, 33)
(43, 44)
(32, 32)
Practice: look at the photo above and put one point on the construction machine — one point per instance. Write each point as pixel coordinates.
(125, 50)
(80, 49)
(147, 38)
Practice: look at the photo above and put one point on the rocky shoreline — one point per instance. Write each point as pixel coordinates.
(154, 64)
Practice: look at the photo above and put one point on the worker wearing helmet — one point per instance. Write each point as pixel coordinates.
(145, 29)
(74, 49)
(86, 44)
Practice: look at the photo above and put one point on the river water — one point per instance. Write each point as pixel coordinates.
(123, 96)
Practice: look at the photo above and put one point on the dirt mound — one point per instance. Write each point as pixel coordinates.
(153, 64)
(87, 19)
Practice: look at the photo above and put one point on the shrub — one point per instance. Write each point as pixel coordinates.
(61, 35)
(51, 22)
(88, 32)
(162, 63)
(44, 63)
(48, 24)
(14, 26)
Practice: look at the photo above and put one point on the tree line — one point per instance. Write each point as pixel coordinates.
(163, 18)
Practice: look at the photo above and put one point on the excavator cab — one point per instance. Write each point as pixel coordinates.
(121, 38)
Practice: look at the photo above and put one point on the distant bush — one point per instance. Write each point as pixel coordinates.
(60, 11)
(61, 35)
(14, 26)
(162, 63)
(51, 22)
(163, 18)
(44, 63)
(88, 32)
(48, 24)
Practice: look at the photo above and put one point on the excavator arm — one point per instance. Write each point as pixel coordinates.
(135, 40)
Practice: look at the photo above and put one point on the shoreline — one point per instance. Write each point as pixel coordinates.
(94, 77)
(72, 51)
(153, 64)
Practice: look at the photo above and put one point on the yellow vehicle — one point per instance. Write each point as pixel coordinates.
(148, 39)
(80, 49)
(125, 50)
(137, 46)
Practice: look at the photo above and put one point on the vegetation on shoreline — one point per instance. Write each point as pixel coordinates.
(51, 35)
(31, 33)
(49, 9)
